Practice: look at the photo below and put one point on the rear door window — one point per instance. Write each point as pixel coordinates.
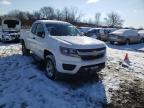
(33, 30)
(40, 31)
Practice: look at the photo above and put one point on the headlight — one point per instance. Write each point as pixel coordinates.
(69, 51)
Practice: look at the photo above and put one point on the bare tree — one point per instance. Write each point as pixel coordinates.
(75, 14)
(37, 15)
(71, 15)
(31, 18)
(67, 14)
(97, 19)
(47, 13)
(25, 17)
(114, 20)
(58, 14)
(19, 14)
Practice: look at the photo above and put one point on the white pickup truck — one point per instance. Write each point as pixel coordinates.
(62, 48)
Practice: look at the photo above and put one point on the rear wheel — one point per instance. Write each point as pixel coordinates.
(3, 40)
(25, 51)
(142, 40)
(50, 67)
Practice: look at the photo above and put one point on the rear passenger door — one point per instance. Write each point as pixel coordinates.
(39, 40)
(31, 37)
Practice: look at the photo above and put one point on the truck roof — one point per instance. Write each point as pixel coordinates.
(10, 18)
(51, 22)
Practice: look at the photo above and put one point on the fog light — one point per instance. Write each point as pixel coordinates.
(68, 67)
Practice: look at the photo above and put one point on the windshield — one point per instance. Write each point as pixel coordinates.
(62, 30)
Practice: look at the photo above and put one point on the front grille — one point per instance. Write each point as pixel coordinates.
(91, 54)
(91, 50)
(92, 57)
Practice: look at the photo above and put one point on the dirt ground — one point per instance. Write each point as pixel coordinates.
(130, 93)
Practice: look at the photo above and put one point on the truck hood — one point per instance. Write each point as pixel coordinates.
(80, 41)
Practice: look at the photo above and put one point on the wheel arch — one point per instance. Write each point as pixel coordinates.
(47, 52)
(22, 41)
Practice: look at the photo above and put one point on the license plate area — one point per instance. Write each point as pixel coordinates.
(91, 68)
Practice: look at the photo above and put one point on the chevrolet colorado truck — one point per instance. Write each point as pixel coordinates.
(63, 49)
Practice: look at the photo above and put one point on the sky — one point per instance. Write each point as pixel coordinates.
(132, 11)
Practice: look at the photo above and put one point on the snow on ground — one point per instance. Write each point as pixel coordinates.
(115, 73)
(23, 84)
(116, 54)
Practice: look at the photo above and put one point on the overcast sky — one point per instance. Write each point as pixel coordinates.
(132, 11)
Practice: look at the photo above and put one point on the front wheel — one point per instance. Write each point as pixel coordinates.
(142, 40)
(50, 67)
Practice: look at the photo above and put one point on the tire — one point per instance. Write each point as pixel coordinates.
(142, 40)
(99, 37)
(25, 51)
(50, 67)
(3, 40)
(127, 42)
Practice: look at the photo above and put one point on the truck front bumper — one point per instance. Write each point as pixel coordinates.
(11, 38)
(78, 66)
